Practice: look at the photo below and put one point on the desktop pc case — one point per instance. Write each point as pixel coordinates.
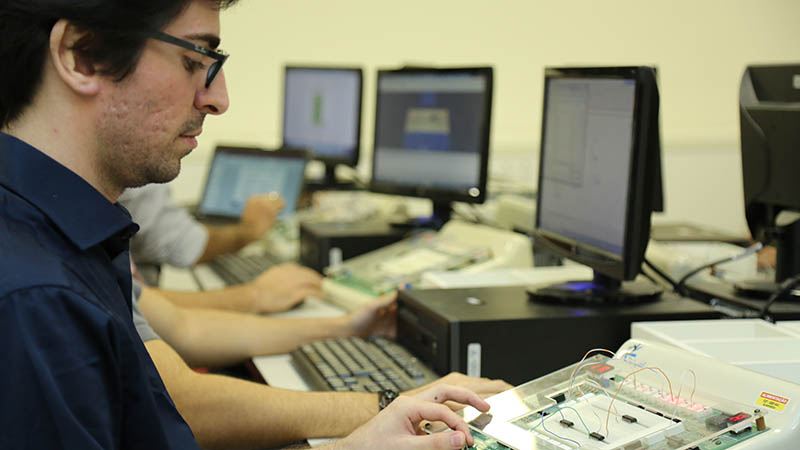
(499, 333)
(317, 239)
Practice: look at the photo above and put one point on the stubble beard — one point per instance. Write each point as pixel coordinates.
(130, 155)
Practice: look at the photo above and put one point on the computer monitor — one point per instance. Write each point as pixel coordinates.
(432, 130)
(237, 173)
(322, 113)
(599, 180)
(769, 112)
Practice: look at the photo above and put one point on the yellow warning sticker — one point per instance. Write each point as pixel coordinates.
(772, 401)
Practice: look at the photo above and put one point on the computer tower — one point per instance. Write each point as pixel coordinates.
(317, 239)
(499, 333)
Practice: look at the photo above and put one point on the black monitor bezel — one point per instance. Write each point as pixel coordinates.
(351, 161)
(769, 105)
(439, 194)
(627, 265)
(299, 154)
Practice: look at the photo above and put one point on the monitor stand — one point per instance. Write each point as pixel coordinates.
(600, 291)
(787, 263)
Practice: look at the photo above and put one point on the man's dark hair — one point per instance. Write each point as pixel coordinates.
(114, 42)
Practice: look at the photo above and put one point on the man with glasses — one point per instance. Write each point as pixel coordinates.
(93, 100)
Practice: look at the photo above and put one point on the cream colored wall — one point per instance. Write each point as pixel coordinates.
(700, 47)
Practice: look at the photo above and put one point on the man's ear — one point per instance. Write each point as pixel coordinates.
(69, 64)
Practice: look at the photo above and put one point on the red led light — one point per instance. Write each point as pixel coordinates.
(738, 418)
(600, 368)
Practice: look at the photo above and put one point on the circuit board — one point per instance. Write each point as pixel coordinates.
(615, 403)
(403, 263)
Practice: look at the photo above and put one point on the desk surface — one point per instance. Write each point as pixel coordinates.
(722, 294)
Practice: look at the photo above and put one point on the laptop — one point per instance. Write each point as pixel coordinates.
(237, 173)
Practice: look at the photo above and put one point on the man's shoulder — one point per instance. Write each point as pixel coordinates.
(32, 252)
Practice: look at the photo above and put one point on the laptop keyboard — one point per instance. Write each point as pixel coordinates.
(359, 365)
(237, 269)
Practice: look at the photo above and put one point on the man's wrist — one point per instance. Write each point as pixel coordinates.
(385, 397)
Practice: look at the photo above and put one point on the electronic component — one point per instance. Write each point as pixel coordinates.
(598, 436)
(718, 421)
(567, 423)
(629, 419)
(738, 421)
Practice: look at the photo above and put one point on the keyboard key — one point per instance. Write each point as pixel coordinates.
(355, 364)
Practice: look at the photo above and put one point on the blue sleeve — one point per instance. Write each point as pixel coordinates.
(61, 387)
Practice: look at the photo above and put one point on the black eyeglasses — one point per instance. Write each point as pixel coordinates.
(218, 55)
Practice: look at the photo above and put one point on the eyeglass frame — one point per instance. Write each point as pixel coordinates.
(219, 56)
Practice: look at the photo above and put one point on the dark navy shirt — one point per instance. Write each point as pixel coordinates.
(74, 374)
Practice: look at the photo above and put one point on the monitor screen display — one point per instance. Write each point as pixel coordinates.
(588, 132)
(599, 180)
(237, 174)
(322, 112)
(432, 131)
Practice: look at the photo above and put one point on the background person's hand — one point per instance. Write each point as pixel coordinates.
(374, 317)
(283, 286)
(259, 215)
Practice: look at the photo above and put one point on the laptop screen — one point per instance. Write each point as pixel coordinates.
(238, 173)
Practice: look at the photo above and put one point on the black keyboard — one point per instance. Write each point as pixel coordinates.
(355, 364)
(237, 269)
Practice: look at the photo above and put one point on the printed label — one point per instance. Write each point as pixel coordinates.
(772, 401)
(474, 359)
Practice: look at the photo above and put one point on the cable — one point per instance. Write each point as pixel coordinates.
(680, 388)
(671, 394)
(785, 286)
(661, 274)
(680, 286)
(582, 366)
(649, 277)
(560, 437)
(603, 390)
(578, 365)
(558, 409)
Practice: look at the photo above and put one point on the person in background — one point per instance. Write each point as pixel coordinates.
(168, 234)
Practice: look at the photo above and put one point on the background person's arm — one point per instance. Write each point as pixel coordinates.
(258, 216)
(214, 338)
(275, 290)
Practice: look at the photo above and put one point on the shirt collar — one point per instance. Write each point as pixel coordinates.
(75, 207)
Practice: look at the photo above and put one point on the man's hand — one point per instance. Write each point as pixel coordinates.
(395, 427)
(483, 387)
(259, 215)
(374, 317)
(282, 287)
